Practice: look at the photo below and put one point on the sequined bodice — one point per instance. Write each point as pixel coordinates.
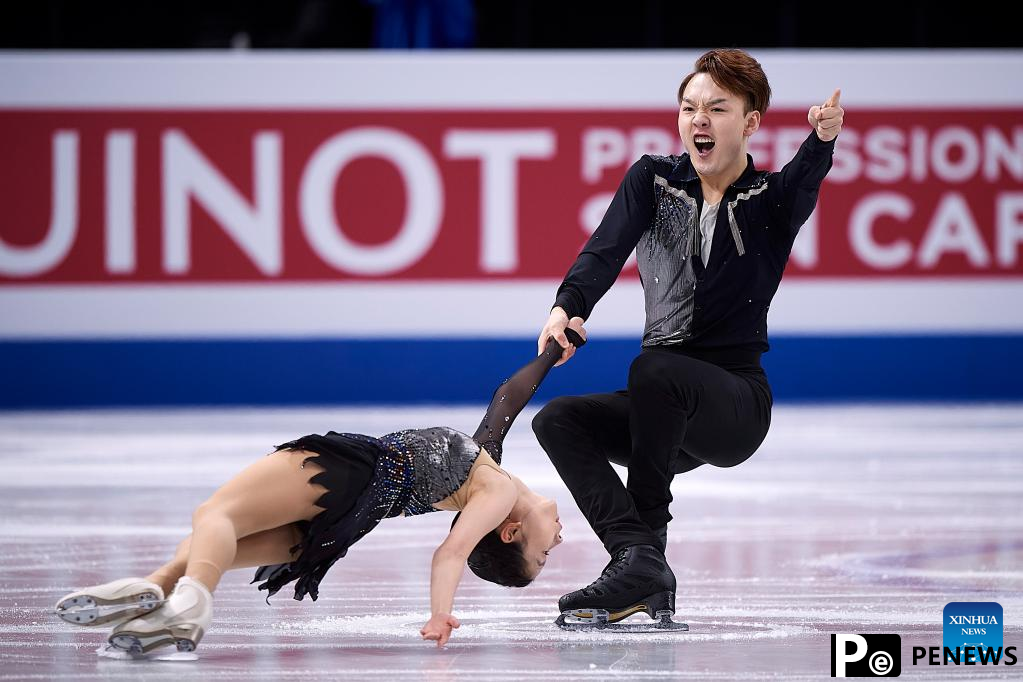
(429, 465)
(441, 460)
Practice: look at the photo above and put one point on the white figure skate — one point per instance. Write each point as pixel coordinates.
(182, 620)
(114, 601)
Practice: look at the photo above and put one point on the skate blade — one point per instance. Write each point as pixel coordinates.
(137, 643)
(109, 652)
(605, 616)
(597, 619)
(88, 610)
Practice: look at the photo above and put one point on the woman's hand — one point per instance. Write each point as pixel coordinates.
(439, 628)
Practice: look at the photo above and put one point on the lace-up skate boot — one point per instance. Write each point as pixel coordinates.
(182, 620)
(118, 600)
(637, 580)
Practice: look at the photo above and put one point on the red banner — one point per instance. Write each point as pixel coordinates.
(242, 196)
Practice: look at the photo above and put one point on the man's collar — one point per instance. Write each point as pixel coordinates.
(685, 173)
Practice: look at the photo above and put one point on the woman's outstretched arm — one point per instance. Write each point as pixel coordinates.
(482, 514)
(511, 396)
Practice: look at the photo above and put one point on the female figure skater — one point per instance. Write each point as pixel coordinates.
(298, 510)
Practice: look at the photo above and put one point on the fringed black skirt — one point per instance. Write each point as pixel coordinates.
(348, 461)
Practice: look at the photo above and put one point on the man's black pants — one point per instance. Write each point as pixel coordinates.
(678, 413)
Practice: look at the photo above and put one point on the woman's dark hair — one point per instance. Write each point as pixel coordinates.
(497, 561)
(737, 72)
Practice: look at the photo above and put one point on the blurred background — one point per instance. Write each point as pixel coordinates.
(524, 24)
(317, 202)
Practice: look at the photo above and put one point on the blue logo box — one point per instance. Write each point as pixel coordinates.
(972, 624)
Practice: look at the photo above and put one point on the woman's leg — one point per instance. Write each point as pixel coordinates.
(264, 548)
(273, 492)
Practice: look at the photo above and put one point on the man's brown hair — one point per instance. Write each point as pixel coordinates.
(735, 71)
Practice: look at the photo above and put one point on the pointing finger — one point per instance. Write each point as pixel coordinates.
(833, 100)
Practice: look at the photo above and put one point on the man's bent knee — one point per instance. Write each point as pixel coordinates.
(647, 368)
(547, 420)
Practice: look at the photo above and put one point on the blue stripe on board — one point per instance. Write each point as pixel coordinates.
(48, 374)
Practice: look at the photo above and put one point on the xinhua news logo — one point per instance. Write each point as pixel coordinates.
(973, 627)
(971, 635)
(866, 655)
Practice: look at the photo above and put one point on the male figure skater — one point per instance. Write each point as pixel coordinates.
(713, 236)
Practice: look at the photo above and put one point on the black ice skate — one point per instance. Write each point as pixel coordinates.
(637, 580)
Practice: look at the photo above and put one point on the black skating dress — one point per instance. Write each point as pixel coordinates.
(369, 479)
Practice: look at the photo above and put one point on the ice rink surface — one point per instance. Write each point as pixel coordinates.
(865, 519)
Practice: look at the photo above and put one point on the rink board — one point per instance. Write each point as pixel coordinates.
(347, 228)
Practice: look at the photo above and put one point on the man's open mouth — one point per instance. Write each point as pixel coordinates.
(704, 144)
